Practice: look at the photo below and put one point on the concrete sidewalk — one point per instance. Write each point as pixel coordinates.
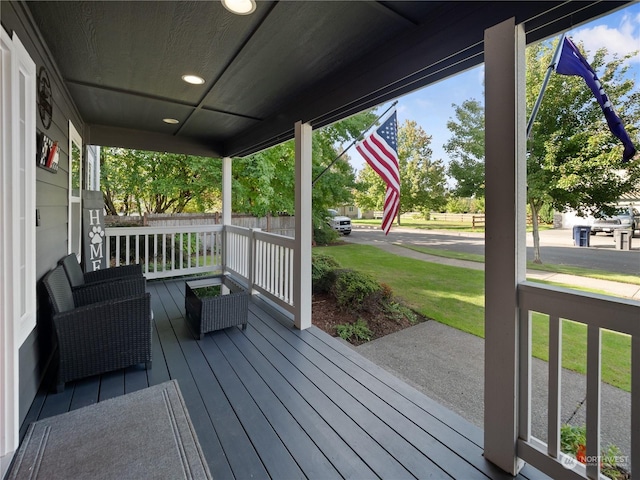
(448, 364)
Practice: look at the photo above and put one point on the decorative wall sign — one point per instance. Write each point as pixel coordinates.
(47, 153)
(45, 102)
(93, 235)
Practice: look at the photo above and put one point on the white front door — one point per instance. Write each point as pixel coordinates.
(17, 228)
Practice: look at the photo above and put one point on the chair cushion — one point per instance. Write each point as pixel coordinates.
(73, 269)
(57, 285)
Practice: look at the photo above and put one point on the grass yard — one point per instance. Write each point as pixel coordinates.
(455, 296)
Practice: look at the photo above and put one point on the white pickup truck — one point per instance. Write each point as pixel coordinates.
(338, 222)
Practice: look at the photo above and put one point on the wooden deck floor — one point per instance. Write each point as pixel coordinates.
(275, 402)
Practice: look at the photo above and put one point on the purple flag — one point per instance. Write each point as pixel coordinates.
(572, 62)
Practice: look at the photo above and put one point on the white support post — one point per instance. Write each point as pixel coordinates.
(226, 191)
(303, 230)
(226, 208)
(505, 245)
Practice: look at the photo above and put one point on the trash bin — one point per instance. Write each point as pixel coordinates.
(623, 239)
(581, 234)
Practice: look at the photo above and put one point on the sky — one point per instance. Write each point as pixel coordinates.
(431, 107)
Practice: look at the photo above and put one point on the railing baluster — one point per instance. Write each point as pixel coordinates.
(127, 249)
(555, 386)
(593, 400)
(146, 253)
(635, 405)
(524, 413)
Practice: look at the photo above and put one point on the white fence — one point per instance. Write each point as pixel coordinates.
(263, 260)
(598, 313)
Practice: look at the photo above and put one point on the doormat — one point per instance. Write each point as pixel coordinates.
(144, 434)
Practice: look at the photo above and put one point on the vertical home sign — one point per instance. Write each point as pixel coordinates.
(93, 235)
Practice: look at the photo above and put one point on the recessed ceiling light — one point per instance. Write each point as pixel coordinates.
(240, 7)
(172, 121)
(193, 79)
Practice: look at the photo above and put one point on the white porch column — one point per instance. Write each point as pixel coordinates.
(304, 228)
(505, 246)
(226, 191)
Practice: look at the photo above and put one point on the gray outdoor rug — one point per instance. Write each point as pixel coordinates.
(145, 434)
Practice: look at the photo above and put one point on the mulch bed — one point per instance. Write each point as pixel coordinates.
(326, 315)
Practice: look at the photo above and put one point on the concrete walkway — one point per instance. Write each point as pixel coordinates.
(448, 364)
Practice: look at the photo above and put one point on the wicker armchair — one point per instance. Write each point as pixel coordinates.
(97, 333)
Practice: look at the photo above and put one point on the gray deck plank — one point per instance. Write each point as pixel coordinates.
(341, 455)
(391, 421)
(276, 458)
(86, 392)
(297, 441)
(356, 426)
(111, 385)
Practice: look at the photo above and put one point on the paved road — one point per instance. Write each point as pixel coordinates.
(556, 246)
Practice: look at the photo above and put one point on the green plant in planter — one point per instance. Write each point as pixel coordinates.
(210, 291)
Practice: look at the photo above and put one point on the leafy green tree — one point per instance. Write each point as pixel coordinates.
(422, 178)
(466, 149)
(136, 181)
(264, 182)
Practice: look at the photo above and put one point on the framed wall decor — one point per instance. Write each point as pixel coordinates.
(47, 153)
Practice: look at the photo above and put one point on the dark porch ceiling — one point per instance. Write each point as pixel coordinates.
(315, 61)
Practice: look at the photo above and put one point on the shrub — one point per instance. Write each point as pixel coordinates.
(398, 311)
(355, 290)
(358, 330)
(322, 267)
(324, 235)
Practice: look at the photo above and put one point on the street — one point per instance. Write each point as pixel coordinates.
(556, 246)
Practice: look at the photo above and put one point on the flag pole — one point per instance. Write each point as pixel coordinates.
(552, 66)
(354, 142)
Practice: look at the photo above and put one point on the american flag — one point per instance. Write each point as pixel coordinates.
(380, 150)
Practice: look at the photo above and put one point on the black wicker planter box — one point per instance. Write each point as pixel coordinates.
(213, 310)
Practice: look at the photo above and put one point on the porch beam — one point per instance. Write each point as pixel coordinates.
(505, 246)
(303, 228)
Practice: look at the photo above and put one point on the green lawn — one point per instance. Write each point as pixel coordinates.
(455, 296)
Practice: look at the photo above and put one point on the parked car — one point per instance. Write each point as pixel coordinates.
(339, 223)
(624, 217)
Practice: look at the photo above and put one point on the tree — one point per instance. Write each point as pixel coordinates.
(422, 179)
(466, 149)
(574, 162)
(136, 181)
(264, 182)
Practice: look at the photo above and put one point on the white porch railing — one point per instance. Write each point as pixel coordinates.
(264, 261)
(167, 251)
(597, 312)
